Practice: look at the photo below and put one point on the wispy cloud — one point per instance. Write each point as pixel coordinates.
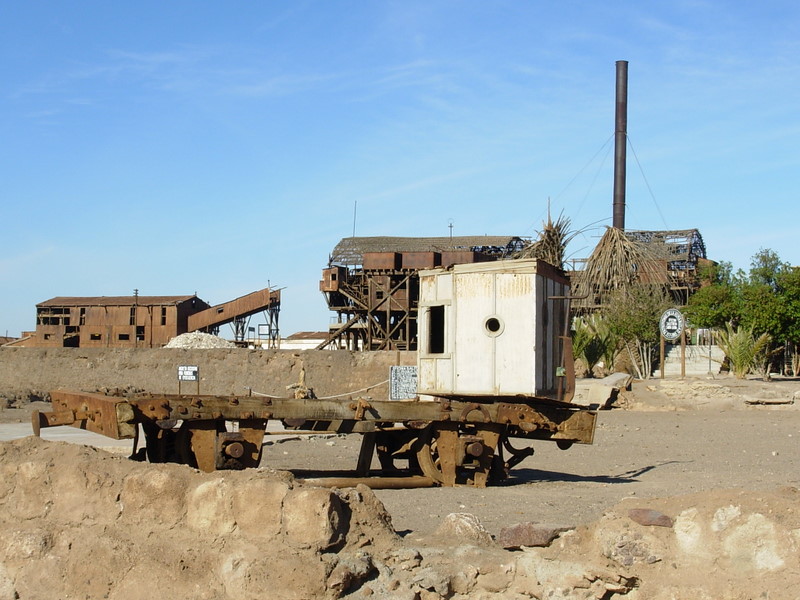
(279, 85)
(119, 65)
(419, 184)
(12, 267)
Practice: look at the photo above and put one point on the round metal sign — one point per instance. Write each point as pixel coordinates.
(671, 324)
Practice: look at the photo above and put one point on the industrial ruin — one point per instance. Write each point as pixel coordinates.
(146, 321)
(451, 428)
(372, 284)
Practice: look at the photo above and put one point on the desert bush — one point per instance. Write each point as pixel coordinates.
(745, 351)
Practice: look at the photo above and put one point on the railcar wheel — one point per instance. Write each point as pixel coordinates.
(428, 455)
(458, 454)
(501, 467)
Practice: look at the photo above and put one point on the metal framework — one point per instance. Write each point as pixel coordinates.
(372, 284)
(450, 441)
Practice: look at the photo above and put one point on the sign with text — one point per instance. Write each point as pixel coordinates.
(671, 324)
(403, 383)
(188, 373)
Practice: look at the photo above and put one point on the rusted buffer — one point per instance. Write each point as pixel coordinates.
(494, 365)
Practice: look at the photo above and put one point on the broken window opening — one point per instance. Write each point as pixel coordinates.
(436, 330)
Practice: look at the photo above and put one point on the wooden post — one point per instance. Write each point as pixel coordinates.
(683, 353)
(661, 360)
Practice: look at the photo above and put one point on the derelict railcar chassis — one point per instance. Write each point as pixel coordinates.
(451, 441)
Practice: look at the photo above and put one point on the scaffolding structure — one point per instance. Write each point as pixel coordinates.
(372, 284)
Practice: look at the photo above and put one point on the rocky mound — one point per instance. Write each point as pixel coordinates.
(197, 340)
(76, 522)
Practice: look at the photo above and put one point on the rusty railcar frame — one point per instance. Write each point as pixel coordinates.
(450, 441)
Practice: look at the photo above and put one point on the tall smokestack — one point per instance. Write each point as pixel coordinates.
(620, 143)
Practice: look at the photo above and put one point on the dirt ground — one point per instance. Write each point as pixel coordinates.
(674, 437)
(713, 461)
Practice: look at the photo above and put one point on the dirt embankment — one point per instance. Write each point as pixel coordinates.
(76, 522)
(30, 373)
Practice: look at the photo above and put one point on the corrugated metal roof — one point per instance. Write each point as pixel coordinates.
(350, 251)
(308, 335)
(115, 300)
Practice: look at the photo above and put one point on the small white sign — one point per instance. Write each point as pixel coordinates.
(403, 382)
(671, 324)
(188, 373)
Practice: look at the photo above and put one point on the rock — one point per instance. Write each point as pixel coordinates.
(528, 534)
(350, 571)
(432, 580)
(313, 517)
(602, 393)
(25, 544)
(155, 494)
(496, 579)
(208, 508)
(650, 518)
(198, 340)
(405, 558)
(464, 580)
(7, 589)
(261, 517)
(464, 528)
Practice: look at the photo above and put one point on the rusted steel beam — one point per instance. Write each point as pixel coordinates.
(116, 417)
(107, 415)
(226, 312)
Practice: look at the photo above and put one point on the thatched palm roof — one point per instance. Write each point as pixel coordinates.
(625, 258)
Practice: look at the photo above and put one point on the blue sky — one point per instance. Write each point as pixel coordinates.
(180, 147)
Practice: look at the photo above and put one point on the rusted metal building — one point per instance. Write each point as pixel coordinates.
(113, 321)
(372, 284)
(145, 321)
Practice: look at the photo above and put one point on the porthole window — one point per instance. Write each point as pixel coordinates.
(493, 326)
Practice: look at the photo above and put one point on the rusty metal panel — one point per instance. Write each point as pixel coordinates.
(382, 260)
(461, 257)
(331, 278)
(421, 260)
(226, 312)
(93, 336)
(106, 415)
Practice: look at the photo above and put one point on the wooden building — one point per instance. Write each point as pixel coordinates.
(113, 321)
